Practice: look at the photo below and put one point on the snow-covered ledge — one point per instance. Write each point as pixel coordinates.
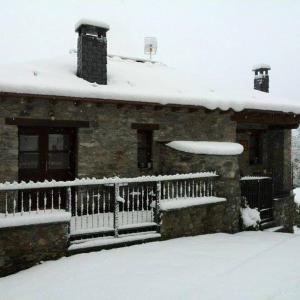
(34, 218)
(192, 216)
(179, 203)
(207, 147)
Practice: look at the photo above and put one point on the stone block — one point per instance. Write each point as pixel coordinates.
(25, 246)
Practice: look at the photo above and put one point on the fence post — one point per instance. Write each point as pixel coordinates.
(116, 210)
(158, 197)
(69, 201)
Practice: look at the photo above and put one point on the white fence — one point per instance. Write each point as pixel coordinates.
(109, 205)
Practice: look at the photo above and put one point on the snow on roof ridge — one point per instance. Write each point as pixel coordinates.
(92, 23)
(135, 82)
(261, 66)
(134, 58)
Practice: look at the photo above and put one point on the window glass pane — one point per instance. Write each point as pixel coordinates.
(29, 142)
(29, 160)
(58, 161)
(58, 142)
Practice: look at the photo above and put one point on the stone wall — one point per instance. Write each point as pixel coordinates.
(227, 184)
(109, 146)
(285, 212)
(25, 246)
(195, 220)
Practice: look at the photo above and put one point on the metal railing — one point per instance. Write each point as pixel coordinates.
(259, 194)
(109, 205)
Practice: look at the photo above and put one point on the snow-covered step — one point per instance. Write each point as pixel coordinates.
(267, 224)
(106, 232)
(274, 229)
(95, 244)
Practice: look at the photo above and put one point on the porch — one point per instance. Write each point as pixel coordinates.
(110, 208)
(265, 164)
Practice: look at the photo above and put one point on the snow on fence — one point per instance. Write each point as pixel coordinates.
(104, 205)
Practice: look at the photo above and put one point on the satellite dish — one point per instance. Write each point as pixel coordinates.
(150, 46)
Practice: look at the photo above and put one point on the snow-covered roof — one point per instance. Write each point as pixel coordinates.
(130, 80)
(204, 147)
(92, 23)
(261, 66)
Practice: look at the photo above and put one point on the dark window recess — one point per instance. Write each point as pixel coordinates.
(144, 151)
(255, 148)
(29, 155)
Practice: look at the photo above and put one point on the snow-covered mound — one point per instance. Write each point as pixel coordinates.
(250, 217)
(133, 80)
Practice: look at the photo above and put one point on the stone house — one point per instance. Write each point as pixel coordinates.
(111, 115)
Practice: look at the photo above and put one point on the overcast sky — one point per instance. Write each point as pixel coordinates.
(220, 40)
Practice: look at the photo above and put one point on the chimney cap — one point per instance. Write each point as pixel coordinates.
(89, 22)
(261, 67)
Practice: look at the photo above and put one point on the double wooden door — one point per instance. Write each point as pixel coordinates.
(46, 153)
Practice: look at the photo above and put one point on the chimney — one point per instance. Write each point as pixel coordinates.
(261, 77)
(92, 51)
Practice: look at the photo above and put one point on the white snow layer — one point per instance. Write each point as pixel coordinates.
(261, 66)
(204, 147)
(254, 177)
(133, 81)
(41, 217)
(188, 202)
(297, 196)
(92, 23)
(98, 242)
(243, 266)
(94, 181)
(250, 217)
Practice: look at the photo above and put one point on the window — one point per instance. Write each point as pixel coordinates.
(29, 155)
(255, 148)
(144, 151)
(58, 151)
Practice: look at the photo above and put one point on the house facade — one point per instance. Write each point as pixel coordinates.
(62, 126)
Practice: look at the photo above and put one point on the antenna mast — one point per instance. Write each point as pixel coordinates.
(150, 46)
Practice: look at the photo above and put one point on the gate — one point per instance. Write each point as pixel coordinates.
(259, 194)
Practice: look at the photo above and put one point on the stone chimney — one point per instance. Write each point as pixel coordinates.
(92, 51)
(261, 77)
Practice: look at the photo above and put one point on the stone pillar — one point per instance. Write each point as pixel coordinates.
(227, 184)
(8, 156)
(285, 213)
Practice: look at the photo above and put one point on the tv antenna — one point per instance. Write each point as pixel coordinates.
(150, 46)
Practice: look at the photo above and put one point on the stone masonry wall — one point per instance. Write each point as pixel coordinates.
(195, 220)
(109, 146)
(285, 212)
(227, 184)
(25, 246)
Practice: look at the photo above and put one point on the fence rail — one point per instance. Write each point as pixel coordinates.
(104, 205)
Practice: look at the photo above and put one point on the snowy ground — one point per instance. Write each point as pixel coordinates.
(247, 265)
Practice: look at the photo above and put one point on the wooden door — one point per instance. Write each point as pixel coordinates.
(46, 153)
